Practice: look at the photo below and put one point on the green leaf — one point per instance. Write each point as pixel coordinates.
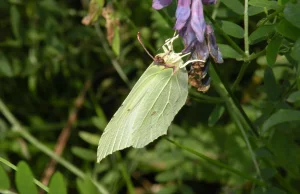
(294, 97)
(83, 153)
(271, 190)
(5, 67)
(281, 116)
(215, 115)
(296, 51)
(272, 50)
(261, 33)
(235, 5)
(253, 10)
(288, 30)
(268, 173)
(270, 85)
(90, 138)
(15, 21)
(116, 45)
(57, 184)
(228, 52)
(86, 186)
(24, 179)
(232, 29)
(292, 14)
(4, 180)
(149, 109)
(265, 4)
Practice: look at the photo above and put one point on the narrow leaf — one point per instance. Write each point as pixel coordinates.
(228, 52)
(15, 21)
(270, 85)
(116, 41)
(4, 180)
(5, 67)
(280, 117)
(90, 138)
(24, 179)
(232, 29)
(215, 115)
(296, 50)
(235, 5)
(261, 33)
(272, 50)
(84, 153)
(57, 184)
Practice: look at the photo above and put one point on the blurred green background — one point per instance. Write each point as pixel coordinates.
(58, 76)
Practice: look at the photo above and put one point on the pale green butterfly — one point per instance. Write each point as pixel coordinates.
(151, 106)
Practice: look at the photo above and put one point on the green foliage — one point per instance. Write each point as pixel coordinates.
(66, 65)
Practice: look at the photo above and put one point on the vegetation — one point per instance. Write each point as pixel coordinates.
(66, 67)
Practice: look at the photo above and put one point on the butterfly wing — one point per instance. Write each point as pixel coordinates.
(147, 111)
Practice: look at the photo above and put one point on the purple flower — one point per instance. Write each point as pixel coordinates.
(198, 37)
(159, 4)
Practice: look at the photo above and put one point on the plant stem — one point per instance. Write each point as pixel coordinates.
(217, 163)
(12, 166)
(246, 25)
(111, 55)
(240, 75)
(18, 128)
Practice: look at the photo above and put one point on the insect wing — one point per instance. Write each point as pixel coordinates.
(147, 111)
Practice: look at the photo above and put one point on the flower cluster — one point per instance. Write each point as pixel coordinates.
(199, 38)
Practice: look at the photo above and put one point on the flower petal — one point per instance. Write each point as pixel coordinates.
(212, 45)
(197, 20)
(182, 13)
(159, 4)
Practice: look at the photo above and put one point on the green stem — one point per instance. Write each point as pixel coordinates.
(217, 163)
(17, 126)
(228, 93)
(111, 55)
(246, 25)
(240, 75)
(201, 96)
(271, 16)
(126, 176)
(38, 183)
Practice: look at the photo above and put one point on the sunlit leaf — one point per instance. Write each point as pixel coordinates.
(84, 153)
(24, 179)
(264, 4)
(57, 184)
(116, 44)
(90, 138)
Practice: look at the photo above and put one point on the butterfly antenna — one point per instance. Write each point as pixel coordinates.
(141, 42)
